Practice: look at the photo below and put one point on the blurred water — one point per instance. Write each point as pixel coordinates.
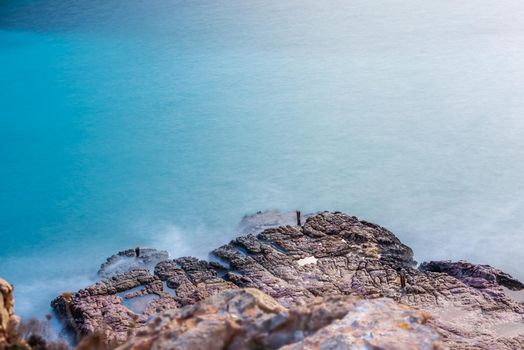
(163, 122)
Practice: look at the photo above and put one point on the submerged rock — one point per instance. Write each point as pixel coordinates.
(249, 319)
(331, 254)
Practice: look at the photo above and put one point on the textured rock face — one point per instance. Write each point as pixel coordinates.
(6, 311)
(476, 276)
(490, 320)
(99, 308)
(331, 254)
(8, 320)
(249, 319)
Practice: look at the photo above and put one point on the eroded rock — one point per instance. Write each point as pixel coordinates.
(9, 322)
(6, 311)
(249, 319)
(331, 254)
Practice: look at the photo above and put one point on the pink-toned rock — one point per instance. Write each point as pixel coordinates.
(249, 319)
(331, 254)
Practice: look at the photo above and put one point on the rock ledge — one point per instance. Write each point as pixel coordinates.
(332, 254)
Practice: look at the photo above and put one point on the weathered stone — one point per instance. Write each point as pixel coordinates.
(99, 308)
(249, 319)
(6, 311)
(9, 322)
(476, 276)
(331, 254)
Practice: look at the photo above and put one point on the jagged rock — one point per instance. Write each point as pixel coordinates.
(249, 319)
(331, 254)
(6, 311)
(492, 321)
(100, 309)
(129, 259)
(9, 337)
(476, 276)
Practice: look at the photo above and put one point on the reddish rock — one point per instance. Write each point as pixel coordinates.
(249, 319)
(331, 254)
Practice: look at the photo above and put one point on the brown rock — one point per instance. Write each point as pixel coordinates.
(331, 254)
(249, 319)
(9, 322)
(6, 311)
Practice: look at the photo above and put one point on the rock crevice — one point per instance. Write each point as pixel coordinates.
(332, 254)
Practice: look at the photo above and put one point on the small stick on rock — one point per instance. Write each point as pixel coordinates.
(402, 280)
(402, 275)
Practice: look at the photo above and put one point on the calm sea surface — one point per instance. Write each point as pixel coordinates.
(163, 122)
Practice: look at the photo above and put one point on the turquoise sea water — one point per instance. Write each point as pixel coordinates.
(163, 122)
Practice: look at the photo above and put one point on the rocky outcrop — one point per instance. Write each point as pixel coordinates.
(249, 319)
(7, 317)
(9, 322)
(30, 334)
(331, 254)
(476, 276)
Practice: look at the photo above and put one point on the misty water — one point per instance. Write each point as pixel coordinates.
(163, 122)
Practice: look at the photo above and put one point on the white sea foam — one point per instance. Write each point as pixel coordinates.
(197, 241)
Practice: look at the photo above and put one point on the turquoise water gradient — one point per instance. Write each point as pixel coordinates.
(163, 122)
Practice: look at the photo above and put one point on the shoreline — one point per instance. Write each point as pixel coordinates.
(295, 263)
(328, 255)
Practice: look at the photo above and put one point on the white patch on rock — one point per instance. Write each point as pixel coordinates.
(308, 260)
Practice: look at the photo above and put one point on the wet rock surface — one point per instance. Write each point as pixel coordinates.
(331, 254)
(249, 319)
